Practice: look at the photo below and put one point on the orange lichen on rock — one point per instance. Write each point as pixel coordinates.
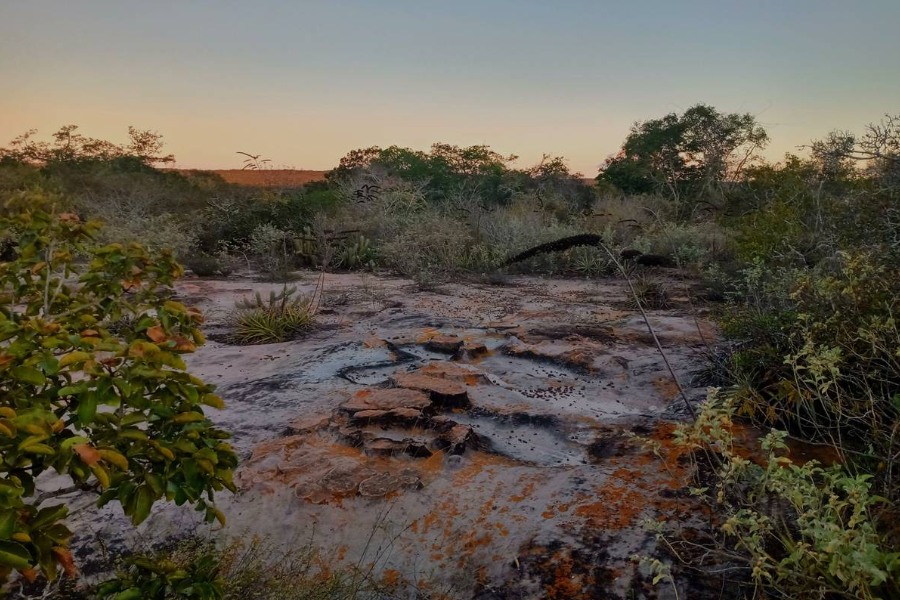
(667, 387)
(526, 492)
(476, 462)
(617, 506)
(566, 582)
(386, 399)
(453, 371)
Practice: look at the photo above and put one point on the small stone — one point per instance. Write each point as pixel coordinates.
(379, 486)
(474, 349)
(307, 424)
(395, 415)
(460, 434)
(441, 423)
(447, 344)
(385, 447)
(409, 478)
(453, 371)
(345, 481)
(406, 414)
(370, 414)
(455, 439)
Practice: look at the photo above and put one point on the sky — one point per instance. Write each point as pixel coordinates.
(304, 82)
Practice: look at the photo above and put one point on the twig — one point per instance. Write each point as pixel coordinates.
(687, 404)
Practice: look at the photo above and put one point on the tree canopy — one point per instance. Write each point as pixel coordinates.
(443, 170)
(694, 152)
(69, 145)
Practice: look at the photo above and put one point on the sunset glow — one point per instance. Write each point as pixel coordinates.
(304, 82)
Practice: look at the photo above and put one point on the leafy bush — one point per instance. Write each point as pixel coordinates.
(356, 253)
(803, 531)
(170, 578)
(92, 384)
(202, 265)
(831, 355)
(426, 244)
(273, 250)
(690, 245)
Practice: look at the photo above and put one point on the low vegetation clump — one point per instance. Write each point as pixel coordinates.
(650, 292)
(801, 530)
(278, 318)
(240, 570)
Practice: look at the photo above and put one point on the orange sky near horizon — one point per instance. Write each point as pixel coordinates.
(305, 82)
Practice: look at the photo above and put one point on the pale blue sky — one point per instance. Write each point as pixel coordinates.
(305, 82)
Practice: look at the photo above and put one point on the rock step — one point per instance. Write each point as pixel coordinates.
(444, 393)
(386, 399)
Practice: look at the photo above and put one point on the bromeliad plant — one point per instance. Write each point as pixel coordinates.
(276, 319)
(93, 385)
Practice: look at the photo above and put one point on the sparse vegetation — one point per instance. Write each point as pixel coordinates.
(804, 252)
(277, 318)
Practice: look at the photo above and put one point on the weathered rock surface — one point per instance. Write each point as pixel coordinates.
(444, 393)
(536, 469)
(388, 416)
(379, 485)
(386, 399)
(448, 344)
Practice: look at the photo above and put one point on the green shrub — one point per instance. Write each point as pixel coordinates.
(202, 265)
(831, 348)
(803, 531)
(356, 253)
(426, 245)
(778, 229)
(190, 573)
(93, 386)
(273, 251)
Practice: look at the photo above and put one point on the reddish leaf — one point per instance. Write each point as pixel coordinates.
(183, 344)
(87, 453)
(156, 333)
(65, 559)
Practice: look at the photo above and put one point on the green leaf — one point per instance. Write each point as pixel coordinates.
(42, 449)
(7, 523)
(156, 483)
(14, 555)
(31, 441)
(133, 434)
(73, 358)
(49, 515)
(131, 593)
(50, 365)
(188, 417)
(28, 375)
(59, 533)
(87, 408)
(72, 390)
(75, 439)
(142, 503)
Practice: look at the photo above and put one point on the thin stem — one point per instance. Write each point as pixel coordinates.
(687, 404)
